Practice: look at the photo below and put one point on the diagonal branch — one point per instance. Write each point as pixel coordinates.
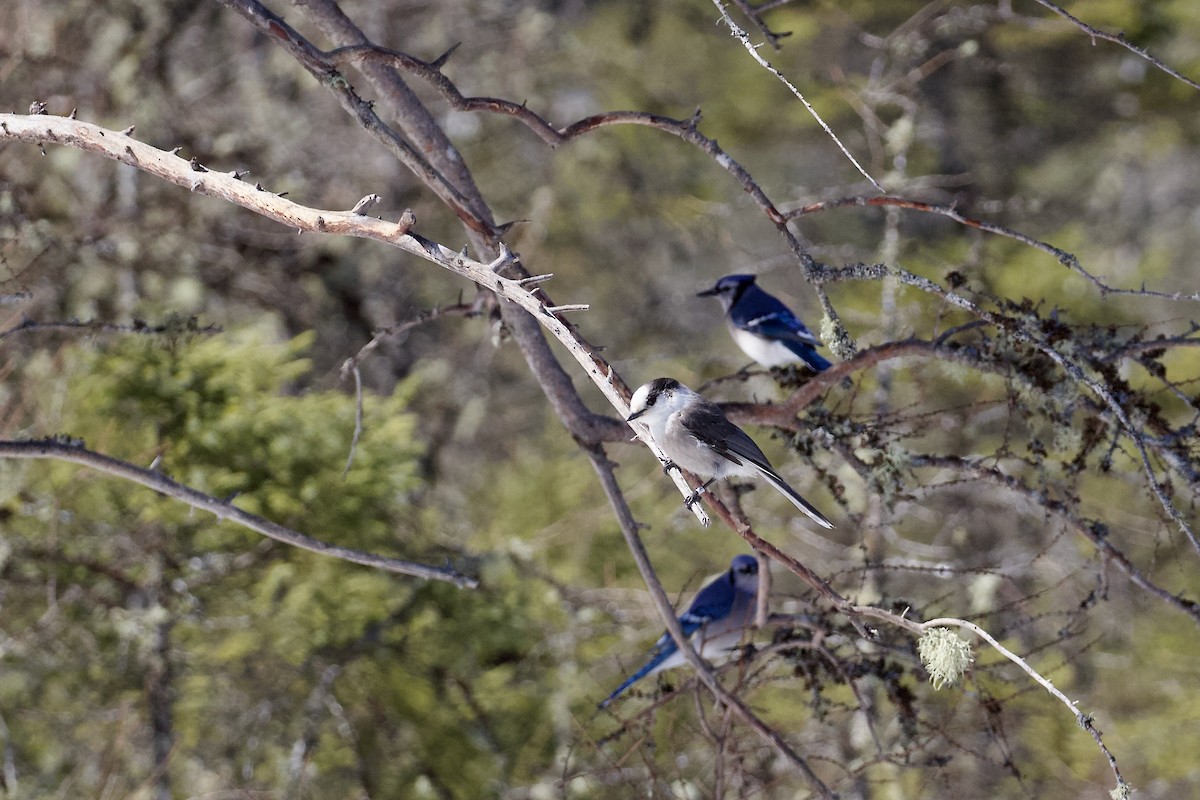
(629, 526)
(795, 566)
(744, 38)
(1118, 38)
(222, 509)
(1085, 721)
(755, 15)
(313, 59)
(534, 304)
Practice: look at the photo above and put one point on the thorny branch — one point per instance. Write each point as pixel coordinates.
(470, 207)
(534, 302)
(89, 137)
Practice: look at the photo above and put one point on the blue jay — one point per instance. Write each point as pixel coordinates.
(714, 621)
(695, 434)
(763, 327)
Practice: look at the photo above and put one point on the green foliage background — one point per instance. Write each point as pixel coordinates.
(292, 675)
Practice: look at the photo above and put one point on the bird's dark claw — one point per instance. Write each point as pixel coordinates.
(669, 465)
(691, 499)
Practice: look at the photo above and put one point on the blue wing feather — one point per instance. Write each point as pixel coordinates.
(781, 325)
(762, 314)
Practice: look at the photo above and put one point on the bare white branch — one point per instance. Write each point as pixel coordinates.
(169, 167)
(365, 203)
(1084, 720)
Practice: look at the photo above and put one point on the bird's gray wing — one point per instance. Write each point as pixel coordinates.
(708, 424)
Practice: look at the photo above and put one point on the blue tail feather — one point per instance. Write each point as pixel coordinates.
(660, 655)
(815, 361)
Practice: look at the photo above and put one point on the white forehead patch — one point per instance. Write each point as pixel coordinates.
(638, 401)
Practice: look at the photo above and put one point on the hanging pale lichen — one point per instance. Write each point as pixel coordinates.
(944, 655)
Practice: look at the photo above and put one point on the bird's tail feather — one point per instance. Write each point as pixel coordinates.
(798, 501)
(659, 657)
(816, 362)
(808, 354)
(805, 352)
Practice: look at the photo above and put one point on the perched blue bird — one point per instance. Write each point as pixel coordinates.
(763, 327)
(715, 620)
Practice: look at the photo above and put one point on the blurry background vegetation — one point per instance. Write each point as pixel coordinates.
(148, 651)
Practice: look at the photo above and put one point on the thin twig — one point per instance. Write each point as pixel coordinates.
(744, 38)
(94, 326)
(358, 418)
(1068, 260)
(1091, 530)
(391, 331)
(1119, 38)
(755, 15)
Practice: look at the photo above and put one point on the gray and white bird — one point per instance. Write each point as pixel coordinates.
(764, 327)
(714, 621)
(694, 433)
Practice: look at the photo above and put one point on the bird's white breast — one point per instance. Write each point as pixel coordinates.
(717, 648)
(765, 352)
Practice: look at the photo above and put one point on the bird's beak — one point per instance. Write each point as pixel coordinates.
(635, 415)
(707, 292)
